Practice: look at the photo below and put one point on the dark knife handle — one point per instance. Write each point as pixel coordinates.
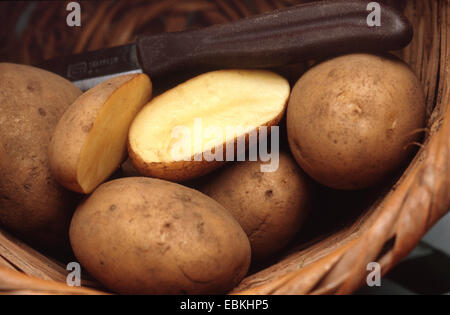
(277, 38)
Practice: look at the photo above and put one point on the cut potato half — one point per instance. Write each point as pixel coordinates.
(90, 140)
(182, 133)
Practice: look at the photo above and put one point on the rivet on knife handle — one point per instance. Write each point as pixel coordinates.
(277, 38)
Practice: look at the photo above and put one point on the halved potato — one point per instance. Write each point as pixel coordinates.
(182, 133)
(90, 140)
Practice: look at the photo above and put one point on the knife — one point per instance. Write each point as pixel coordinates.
(281, 37)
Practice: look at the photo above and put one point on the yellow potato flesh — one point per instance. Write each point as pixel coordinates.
(105, 146)
(221, 99)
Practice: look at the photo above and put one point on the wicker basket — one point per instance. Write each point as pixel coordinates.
(385, 226)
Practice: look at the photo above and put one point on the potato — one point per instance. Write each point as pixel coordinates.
(90, 140)
(171, 136)
(32, 204)
(271, 207)
(140, 235)
(350, 119)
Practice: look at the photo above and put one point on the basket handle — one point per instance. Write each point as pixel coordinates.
(281, 37)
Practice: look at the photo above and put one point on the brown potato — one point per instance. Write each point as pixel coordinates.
(271, 207)
(192, 119)
(140, 235)
(90, 140)
(32, 203)
(350, 119)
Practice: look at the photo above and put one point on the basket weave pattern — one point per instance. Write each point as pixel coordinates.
(386, 232)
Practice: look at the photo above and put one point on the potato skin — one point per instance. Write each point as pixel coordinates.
(32, 203)
(141, 235)
(350, 119)
(177, 171)
(271, 207)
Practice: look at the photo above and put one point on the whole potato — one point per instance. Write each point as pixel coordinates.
(350, 119)
(271, 207)
(32, 203)
(141, 235)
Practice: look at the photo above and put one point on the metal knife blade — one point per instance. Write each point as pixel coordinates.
(91, 68)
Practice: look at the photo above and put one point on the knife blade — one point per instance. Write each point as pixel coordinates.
(278, 38)
(88, 69)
